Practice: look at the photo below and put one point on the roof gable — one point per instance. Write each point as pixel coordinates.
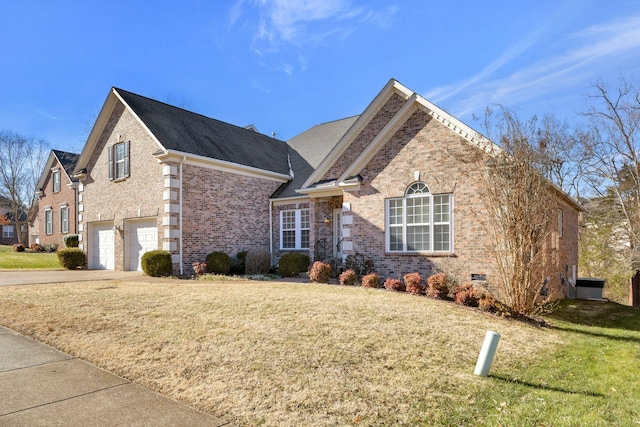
(65, 159)
(176, 130)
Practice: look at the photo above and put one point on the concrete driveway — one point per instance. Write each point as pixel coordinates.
(32, 277)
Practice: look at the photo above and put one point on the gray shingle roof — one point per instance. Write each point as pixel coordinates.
(188, 132)
(67, 160)
(308, 149)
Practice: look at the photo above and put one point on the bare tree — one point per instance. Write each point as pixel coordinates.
(613, 145)
(520, 205)
(21, 164)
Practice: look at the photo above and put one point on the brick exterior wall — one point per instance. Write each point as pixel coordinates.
(223, 212)
(113, 202)
(380, 119)
(54, 201)
(445, 162)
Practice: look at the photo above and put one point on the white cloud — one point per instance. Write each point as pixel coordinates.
(582, 56)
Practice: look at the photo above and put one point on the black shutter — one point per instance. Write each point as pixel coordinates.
(126, 159)
(110, 151)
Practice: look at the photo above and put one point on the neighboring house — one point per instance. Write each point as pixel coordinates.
(391, 183)
(55, 213)
(9, 228)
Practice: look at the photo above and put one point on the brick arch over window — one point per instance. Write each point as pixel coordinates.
(419, 222)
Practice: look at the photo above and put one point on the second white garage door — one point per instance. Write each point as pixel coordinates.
(143, 237)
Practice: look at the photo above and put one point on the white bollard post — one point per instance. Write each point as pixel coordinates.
(488, 350)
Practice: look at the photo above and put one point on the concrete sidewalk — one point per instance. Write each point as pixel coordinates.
(41, 386)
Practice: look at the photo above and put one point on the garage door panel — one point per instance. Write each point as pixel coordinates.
(143, 237)
(102, 253)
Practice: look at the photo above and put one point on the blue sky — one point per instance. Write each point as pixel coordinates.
(286, 65)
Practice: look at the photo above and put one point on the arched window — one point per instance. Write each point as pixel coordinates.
(419, 221)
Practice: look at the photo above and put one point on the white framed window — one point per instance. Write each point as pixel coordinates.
(560, 223)
(419, 221)
(294, 229)
(64, 219)
(8, 231)
(48, 221)
(119, 161)
(55, 177)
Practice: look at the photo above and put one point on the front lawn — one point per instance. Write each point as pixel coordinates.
(290, 354)
(10, 260)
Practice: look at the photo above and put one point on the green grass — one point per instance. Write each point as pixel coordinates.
(10, 260)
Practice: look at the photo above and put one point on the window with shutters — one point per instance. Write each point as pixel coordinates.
(119, 161)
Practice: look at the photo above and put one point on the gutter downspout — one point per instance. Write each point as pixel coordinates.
(184, 158)
(271, 230)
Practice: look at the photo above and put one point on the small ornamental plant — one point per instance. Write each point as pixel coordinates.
(320, 272)
(466, 294)
(394, 285)
(35, 247)
(218, 263)
(413, 283)
(199, 268)
(371, 281)
(348, 278)
(71, 258)
(292, 264)
(437, 286)
(18, 247)
(487, 303)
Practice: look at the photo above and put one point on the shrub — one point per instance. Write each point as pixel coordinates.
(35, 247)
(238, 263)
(218, 263)
(157, 263)
(71, 258)
(257, 262)
(371, 281)
(292, 264)
(71, 240)
(394, 285)
(348, 278)
(359, 263)
(18, 247)
(52, 247)
(466, 294)
(487, 303)
(413, 283)
(199, 268)
(438, 286)
(320, 272)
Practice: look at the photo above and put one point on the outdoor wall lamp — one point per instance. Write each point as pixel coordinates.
(116, 228)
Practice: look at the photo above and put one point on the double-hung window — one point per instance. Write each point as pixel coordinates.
(294, 229)
(8, 231)
(64, 219)
(419, 221)
(56, 180)
(48, 221)
(119, 161)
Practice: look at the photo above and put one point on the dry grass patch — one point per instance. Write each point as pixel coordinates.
(265, 353)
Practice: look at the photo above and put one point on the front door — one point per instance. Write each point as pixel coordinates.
(337, 233)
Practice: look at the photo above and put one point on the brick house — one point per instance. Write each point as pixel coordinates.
(9, 228)
(55, 214)
(390, 183)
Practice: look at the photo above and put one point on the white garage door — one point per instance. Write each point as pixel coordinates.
(102, 254)
(143, 237)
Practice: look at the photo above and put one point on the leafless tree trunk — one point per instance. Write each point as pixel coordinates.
(520, 206)
(21, 162)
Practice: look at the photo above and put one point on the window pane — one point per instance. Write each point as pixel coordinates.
(441, 208)
(120, 154)
(288, 239)
(395, 239)
(304, 219)
(395, 212)
(418, 210)
(418, 238)
(304, 239)
(418, 188)
(441, 237)
(289, 220)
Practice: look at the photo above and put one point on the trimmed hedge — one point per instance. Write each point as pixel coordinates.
(218, 263)
(348, 278)
(257, 262)
(18, 247)
(71, 258)
(71, 240)
(320, 272)
(157, 263)
(292, 264)
(371, 281)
